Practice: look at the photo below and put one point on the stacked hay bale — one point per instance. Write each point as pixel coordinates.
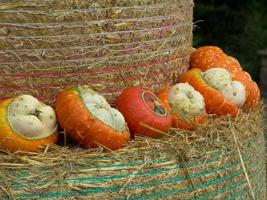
(186, 165)
(48, 45)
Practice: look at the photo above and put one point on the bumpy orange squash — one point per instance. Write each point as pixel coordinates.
(88, 119)
(215, 101)
(207, 57)
(180, 103)
(252, 90)
(26, 124)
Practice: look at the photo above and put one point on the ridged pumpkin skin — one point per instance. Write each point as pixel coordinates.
(252, 90)
(12, 142)
(214, 100)
(82, 126)
(207, 57)
(177, 122)
(138, 112)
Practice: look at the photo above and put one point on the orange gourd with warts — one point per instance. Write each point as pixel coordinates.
(252, 89)
(88, 119)
(182, 119)
(26, 124)
(207, 57)
(215, 101)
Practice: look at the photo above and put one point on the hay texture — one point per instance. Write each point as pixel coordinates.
(204, 164)
(51, 44)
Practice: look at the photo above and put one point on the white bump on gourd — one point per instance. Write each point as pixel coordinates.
(104, 115)
(217, 78)
(92, 98)
(48, 120)
(185, 100)
(221, 80)
(100, 109)
(236, 93)
(31, 118)
(118, 119)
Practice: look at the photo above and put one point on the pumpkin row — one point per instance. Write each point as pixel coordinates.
(216, 84)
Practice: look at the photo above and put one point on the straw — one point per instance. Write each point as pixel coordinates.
(46, 46)
(204, 164)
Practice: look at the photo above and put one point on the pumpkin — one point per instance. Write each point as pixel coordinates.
(207, 57)
(26, 124)
(88, 119)
(185, 104)
(221, 80)
(216, 102)
(143, 112)
(252, 89)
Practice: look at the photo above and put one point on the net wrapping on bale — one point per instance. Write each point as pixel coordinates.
(48, 45)
(203, 164)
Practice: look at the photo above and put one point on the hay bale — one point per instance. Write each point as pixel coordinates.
(204, 164)
(48, 45)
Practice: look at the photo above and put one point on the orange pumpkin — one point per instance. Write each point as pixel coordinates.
(26, 124)
(88, 119)
(178, 120)
(207, 57)
(215, 102)
(252, 89)
(211, 57)
(144, 112)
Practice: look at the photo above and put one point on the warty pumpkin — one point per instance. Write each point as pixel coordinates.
(207, 57)
(252, 90)
(216, 102)
(87, 118)
(221, 80)
(185, 104)
(143, 112)
(26, 124)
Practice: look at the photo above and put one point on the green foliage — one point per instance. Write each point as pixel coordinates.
(238, 27)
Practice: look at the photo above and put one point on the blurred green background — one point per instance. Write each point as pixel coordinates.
(239, 27)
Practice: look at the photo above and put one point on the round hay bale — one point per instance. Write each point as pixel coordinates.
(51, 44)
(204, 164)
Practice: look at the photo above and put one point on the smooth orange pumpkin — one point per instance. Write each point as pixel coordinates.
(178, 121)
(252, 89)
(75, 116)
(207, 57)
(28, 130)
(143, 112)
(214, 100)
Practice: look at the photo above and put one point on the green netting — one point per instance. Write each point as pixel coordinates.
(210, 179)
